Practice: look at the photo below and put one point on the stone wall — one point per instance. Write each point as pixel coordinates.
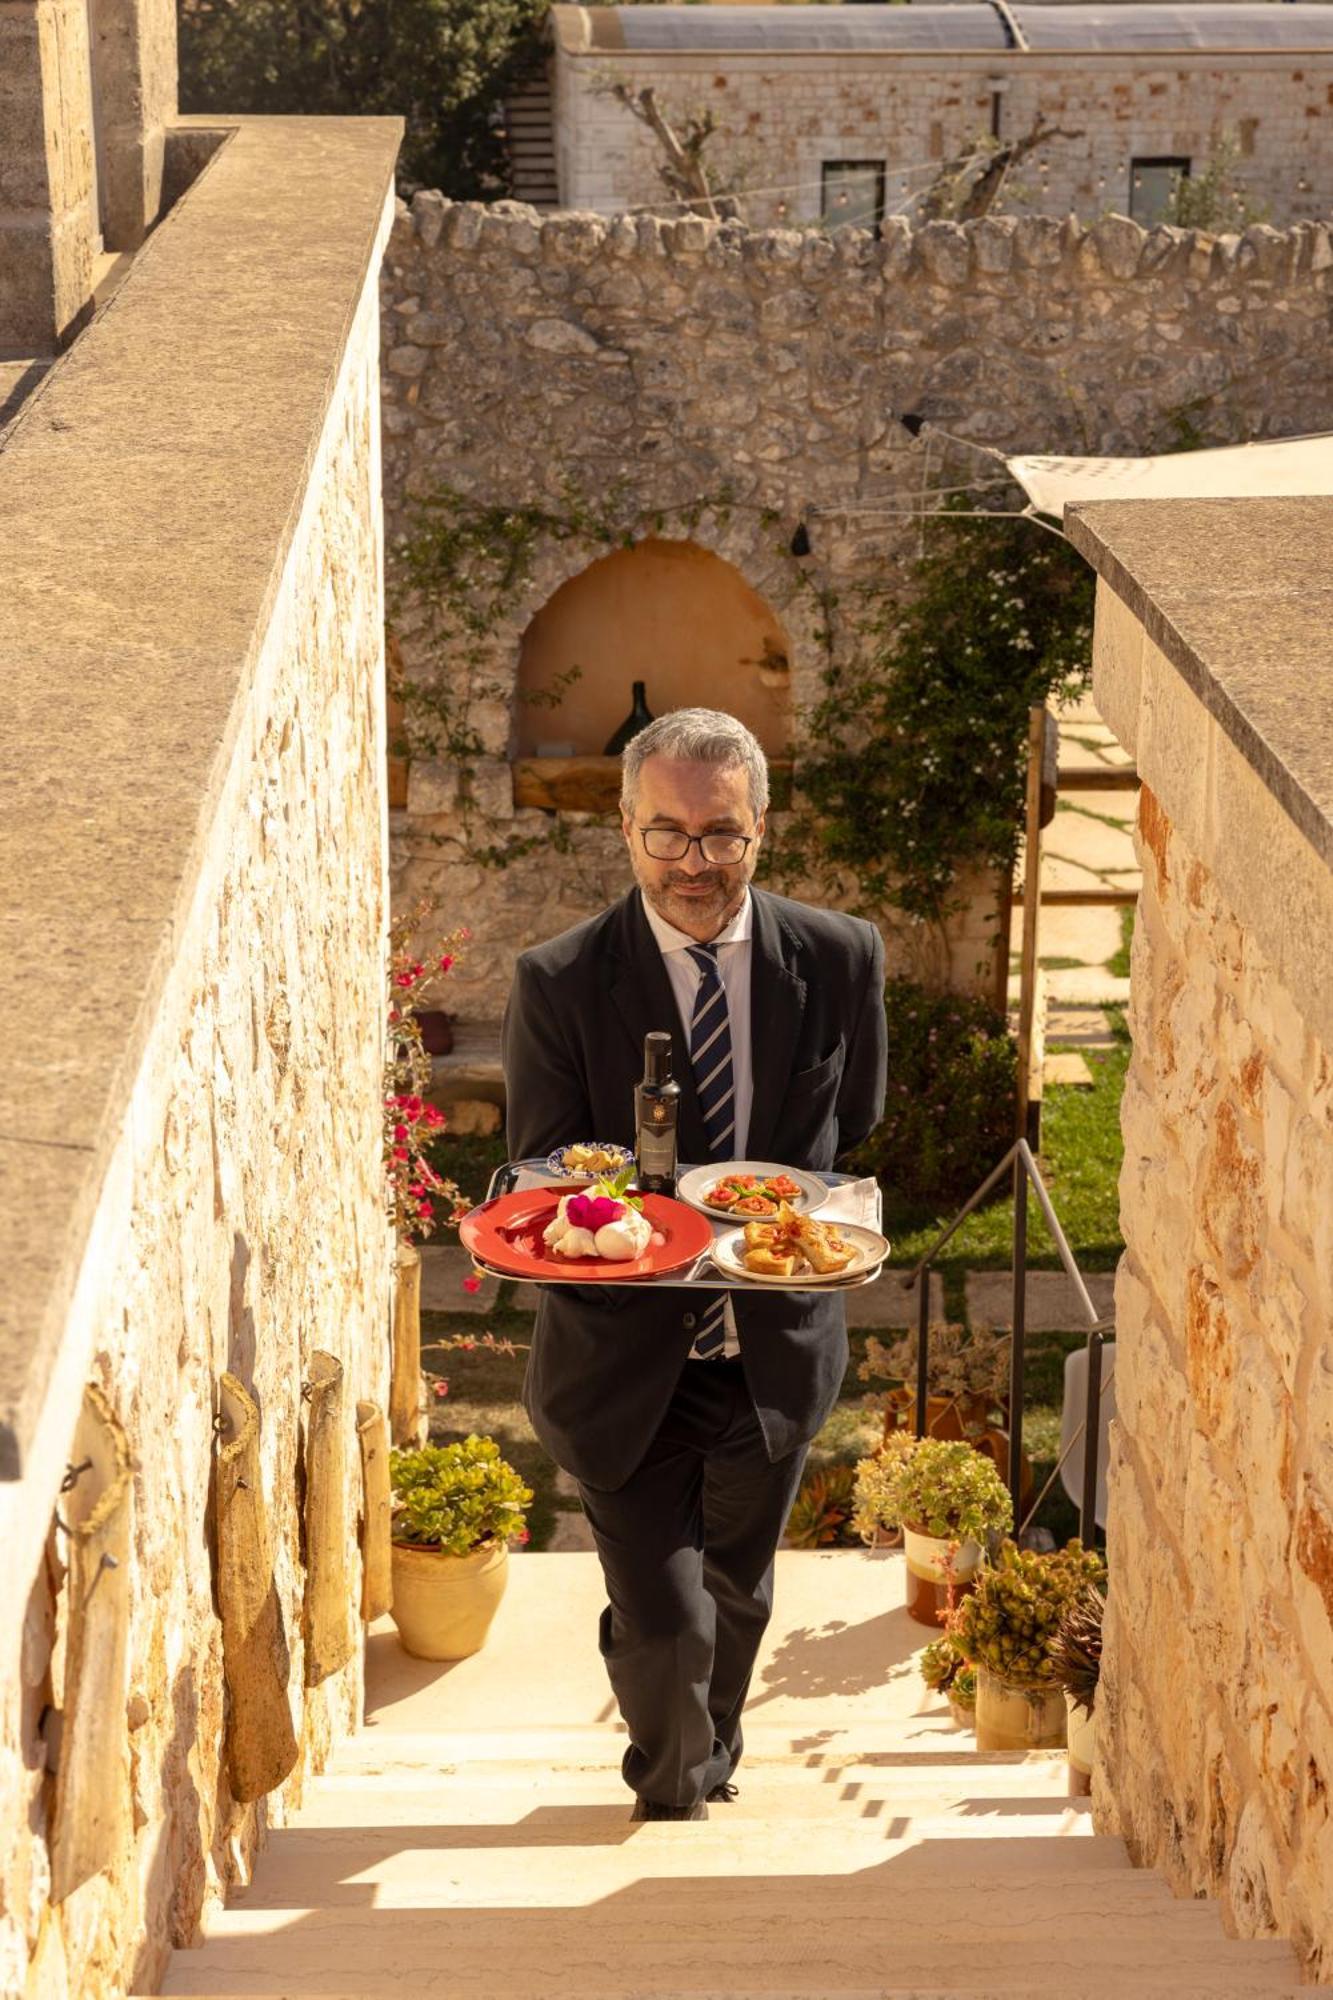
(48, 218)
(779, 117)
(230, 1210)
(1216, 1709)
(651, 365)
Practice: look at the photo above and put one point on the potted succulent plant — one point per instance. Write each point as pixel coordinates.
(949, 1500)
(456, 1508)
(1077, 1651)
(1006, 1629)
(946, 1672)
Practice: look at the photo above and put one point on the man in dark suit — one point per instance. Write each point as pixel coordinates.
(685, 1415)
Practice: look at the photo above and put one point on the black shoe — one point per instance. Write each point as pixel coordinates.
(650, 1809)
(722, 1794)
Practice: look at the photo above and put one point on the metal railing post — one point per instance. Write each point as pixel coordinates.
(1016, 1351)
(922, 1349)
(1092, 1439)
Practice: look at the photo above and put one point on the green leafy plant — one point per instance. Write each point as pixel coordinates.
(457, 1497)
(935, 1486)
(963, 1686)
(823, 1508)
(920, 732)
(940, 1664)
(1213, 199)
(969, 1366)
(949, 1104)
(1009, 1623)
(1077, 1648)
(446, 66)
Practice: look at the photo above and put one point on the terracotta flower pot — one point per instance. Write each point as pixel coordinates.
(928, 1564)
(1011, 1718)
(1081, 1739)
(443, 1604)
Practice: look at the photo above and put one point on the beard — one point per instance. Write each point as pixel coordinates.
(709, 913)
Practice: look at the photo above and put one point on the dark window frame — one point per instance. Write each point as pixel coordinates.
(880, 170)
(1179, 163)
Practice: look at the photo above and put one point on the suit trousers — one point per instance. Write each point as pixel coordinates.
(687, 1547)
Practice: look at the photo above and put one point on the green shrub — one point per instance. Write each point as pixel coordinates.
(457, 1497)
(949, 1107)
(1009, 1623)
(937, 1486)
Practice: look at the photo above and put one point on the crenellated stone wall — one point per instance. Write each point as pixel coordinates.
(193, 1178)
(652, 365)
(1216, 1707)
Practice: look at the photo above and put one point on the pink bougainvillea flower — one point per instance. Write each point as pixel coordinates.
(472, 1283)
(447, 961)
(441, 1390)
(523, 1535)
(593, 1211)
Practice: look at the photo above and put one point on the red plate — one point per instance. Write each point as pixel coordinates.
(506, 1234)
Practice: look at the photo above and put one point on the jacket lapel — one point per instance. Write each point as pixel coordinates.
(777, 1003)
(642, 995)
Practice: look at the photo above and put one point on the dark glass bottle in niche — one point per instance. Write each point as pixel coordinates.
(638, 718)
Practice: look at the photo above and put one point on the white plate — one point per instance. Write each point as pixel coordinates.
(871, 1250)
(691, 1186)
(555, 1162)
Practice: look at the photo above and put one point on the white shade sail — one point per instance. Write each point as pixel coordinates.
(1289, 467)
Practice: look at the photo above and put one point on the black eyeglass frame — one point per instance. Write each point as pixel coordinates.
(695, 840)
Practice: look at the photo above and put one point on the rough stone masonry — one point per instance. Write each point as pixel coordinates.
(649, 364)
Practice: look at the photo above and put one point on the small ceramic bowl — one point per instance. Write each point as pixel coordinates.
(619, 1157)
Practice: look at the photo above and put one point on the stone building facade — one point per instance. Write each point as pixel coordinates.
(821, 110)
(643, 369)
(1216, 1708)
(195, 838)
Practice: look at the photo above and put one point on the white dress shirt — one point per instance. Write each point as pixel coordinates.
(733, 964)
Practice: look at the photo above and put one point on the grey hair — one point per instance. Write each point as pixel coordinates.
(697, 736)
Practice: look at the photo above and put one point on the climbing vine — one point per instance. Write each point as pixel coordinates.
(918, 737)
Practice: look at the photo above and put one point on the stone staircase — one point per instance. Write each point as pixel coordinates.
(474, 1839)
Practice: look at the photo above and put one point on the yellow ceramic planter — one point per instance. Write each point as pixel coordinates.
(442, 1604)
(1010, 1718)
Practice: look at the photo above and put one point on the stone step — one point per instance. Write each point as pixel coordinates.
(571, 1854)
(858, 1793)
(1234, 1986)
(971, 1917)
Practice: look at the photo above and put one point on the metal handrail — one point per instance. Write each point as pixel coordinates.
(1025, 1173)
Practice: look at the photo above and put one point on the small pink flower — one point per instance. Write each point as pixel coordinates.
(441, 1391)
(523, 1535)
(447, 961)
(472, 1284)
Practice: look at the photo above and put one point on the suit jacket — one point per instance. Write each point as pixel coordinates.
(605, 1359)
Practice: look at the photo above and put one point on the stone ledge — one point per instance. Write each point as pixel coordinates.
(1113, 250)
(1236, 594)
(151, 487)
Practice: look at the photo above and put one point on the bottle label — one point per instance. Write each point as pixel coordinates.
(657, 1152)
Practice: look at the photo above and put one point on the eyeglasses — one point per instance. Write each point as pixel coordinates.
(669, 843)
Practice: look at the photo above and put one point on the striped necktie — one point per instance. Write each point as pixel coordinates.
(715, 1087)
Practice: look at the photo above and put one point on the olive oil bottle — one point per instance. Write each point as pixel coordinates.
(656, 1114)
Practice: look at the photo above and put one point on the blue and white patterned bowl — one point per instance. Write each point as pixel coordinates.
(619, 1157)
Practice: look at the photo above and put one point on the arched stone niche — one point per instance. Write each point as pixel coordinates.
(667, 612)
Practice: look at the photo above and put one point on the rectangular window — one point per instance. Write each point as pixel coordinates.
(853, 191)
(1150, 184)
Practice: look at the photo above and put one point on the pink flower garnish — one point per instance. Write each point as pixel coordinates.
(593, 1212)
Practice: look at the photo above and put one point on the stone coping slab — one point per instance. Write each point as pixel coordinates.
(150, 485)
(1237, 595)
